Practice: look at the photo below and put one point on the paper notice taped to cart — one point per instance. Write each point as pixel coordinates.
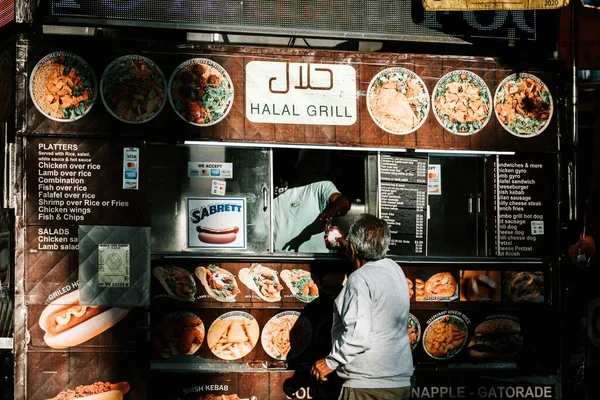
(488, 5)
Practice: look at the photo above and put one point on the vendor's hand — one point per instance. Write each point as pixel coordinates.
(320, 370)
(329, 214)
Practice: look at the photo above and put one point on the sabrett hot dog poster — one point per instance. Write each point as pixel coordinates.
(216, 223)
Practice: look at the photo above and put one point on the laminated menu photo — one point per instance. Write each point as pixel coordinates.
(480, 285)
(435, 284)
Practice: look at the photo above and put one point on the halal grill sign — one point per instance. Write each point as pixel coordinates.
(300, 93)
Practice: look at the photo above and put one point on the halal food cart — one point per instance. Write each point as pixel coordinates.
(145, 183)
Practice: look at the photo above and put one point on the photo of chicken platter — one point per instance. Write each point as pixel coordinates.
(63, 87)
(263, 281)
(201, 92)
(233, 335)
(398, 100)
(179, 333)
(301, 284)
(441, 286)
(523, 105)
(219, 283)
(445, 337)
(462, 102)
(177, 282)
(414, 331)
(133, 89)
(286, 335)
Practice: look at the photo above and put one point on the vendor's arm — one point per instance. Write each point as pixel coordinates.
(337, 206)
(356, 317)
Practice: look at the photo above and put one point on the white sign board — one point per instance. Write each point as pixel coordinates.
(210, 170)
(216, 223)
(300, 93)
(434, 179)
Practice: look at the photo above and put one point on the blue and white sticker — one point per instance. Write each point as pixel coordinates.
(131, 161)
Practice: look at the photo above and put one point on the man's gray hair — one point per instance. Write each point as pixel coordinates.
(370, 236)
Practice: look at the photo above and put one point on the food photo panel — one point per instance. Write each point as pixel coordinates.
(480, 285)
(523, 286)
(435, 285)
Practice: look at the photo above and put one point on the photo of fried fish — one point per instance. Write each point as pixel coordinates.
(219, 283)
(178, 282)
(233, 335)
(301, 284)
(263, 281)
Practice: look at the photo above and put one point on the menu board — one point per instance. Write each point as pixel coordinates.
(80, 181)
(403, 185)
(523, 212)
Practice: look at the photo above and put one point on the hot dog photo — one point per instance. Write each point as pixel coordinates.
(67, 323)
(216, 222)
(95, 391)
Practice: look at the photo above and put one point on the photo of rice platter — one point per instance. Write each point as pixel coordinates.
(63, 87)
(201, 92)
(462, 102)
(523, 105)
(398, 100)
(414, 331)
(286, 335)
(133, 89)
(445, 337)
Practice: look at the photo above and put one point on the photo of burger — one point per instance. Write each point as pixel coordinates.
(496, 339)
(177, 282)
(67, 323)
(95, 391)
(178, 334)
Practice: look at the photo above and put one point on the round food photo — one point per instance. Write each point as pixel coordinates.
(233, 335)
(286, 335)
(462, 102)
(63, 87)
(523, 105)
(445, 337)
(201, 92)
(414, 331)
(179, 333)
(398, 100)
(133, 89)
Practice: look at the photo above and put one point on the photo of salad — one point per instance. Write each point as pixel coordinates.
(462, 102)
(63, 87)
(523, 105)
(132, 89)
(398, 100)
(414, 331)
(201, 92)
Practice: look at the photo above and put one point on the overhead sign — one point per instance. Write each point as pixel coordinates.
(292, 93)
(486, 5)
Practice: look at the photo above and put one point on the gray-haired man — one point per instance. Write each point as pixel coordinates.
(371, 350)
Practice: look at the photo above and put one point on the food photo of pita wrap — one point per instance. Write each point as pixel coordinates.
(233, 335)
(67, 323)
(263, 281)
(286, 335)
(95, 391)
(462, 102)
(177, 282)
(398, 100)
(219, 283)
(301, 284)
(179, 333)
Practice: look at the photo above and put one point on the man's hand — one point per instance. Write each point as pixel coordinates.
(320, 370)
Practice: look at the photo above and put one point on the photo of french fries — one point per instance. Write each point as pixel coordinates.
(233, 335)
(286, 335)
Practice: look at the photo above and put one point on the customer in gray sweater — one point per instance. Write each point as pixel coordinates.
(371, 350)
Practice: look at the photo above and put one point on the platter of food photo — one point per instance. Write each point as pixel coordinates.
(286, 335)
(63, 87)
(445, 337)
(462, 102)
(179, 333)
(523, 105)
(133, 89)
(233, 335)
(398, 100)
(201, 92)
(414, 331)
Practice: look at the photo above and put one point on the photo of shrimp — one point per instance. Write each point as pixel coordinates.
(63, 87)
(286, 335)
(445, 337)
(462, 102)
(523, 105)
(179, 333)
(201, 92)
(263, 281)
(233, 335)
(398, 100)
